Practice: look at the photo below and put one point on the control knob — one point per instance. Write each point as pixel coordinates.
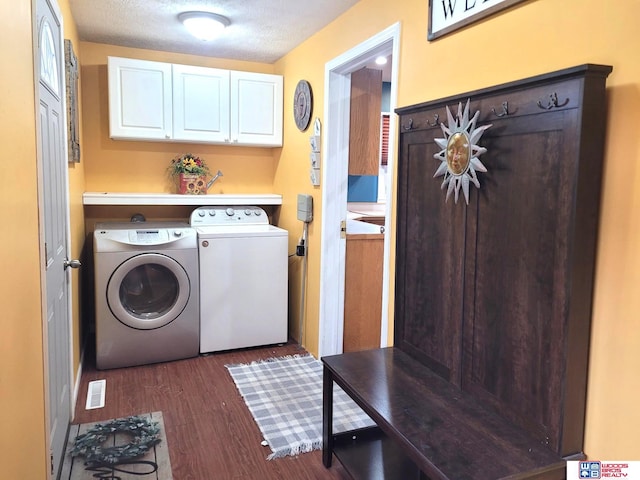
(230, 211)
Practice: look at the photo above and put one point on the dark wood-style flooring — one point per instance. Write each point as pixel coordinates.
(210, 432)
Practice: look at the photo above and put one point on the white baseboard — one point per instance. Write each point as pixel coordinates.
(76, 387)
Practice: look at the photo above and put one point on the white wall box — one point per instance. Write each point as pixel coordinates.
(162, 101)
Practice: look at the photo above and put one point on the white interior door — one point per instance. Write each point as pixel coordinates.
(50, 101)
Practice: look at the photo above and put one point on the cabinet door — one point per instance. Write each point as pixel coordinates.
(364, 122)
(256, 109)
(139, 99)
(363, 299)
(200, 104)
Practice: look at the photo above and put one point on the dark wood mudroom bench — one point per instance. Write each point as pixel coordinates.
(487, 376)
(426, 427)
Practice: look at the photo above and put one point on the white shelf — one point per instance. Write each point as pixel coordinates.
(107, 198)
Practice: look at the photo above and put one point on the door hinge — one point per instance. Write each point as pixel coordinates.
(343, 229)
(51, 459)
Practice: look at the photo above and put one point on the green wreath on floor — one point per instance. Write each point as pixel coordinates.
(145, 434)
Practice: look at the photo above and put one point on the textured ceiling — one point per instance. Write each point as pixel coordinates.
(260, 30)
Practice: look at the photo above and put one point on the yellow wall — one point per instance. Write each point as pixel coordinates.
(22, 421)
(536, 37)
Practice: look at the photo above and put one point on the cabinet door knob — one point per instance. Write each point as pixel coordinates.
(166, 135)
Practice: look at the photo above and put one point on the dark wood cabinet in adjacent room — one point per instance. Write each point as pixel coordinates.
(364, 122)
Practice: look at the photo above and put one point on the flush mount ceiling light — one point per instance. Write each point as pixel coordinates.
(381, 60)
(204, 25)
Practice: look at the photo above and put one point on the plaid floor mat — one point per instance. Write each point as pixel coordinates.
(284, 395)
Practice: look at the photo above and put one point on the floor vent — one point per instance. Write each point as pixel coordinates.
(95, 394)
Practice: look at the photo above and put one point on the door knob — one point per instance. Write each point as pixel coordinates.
(72, 263)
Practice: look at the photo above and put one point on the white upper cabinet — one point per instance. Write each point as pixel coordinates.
(139, 99)
(200, 104)
(254, 120)
(161, 101)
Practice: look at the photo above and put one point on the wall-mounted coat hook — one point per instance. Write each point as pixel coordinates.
(410, 126)
(504, 112)
(553, 102)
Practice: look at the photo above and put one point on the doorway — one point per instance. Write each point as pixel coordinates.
(334, 185)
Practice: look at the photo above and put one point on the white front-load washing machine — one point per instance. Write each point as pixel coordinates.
(243, 278)
(146, 293)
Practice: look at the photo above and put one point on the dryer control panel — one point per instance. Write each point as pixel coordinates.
(112, 236)
(222, 215)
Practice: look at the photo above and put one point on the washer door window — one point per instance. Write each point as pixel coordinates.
(148, 291)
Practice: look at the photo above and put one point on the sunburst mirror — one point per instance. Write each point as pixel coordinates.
(460, 152)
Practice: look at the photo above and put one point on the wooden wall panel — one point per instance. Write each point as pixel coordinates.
(517, 274)
(429, 261)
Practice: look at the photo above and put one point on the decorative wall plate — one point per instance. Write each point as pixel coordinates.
(302, 105)
(460, 152)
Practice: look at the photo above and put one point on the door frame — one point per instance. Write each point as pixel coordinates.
(41, 221)
(334, 185)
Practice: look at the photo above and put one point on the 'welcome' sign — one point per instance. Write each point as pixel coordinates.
(448, 15)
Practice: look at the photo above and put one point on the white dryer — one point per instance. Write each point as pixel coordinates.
(243, 278)
(146, 288)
